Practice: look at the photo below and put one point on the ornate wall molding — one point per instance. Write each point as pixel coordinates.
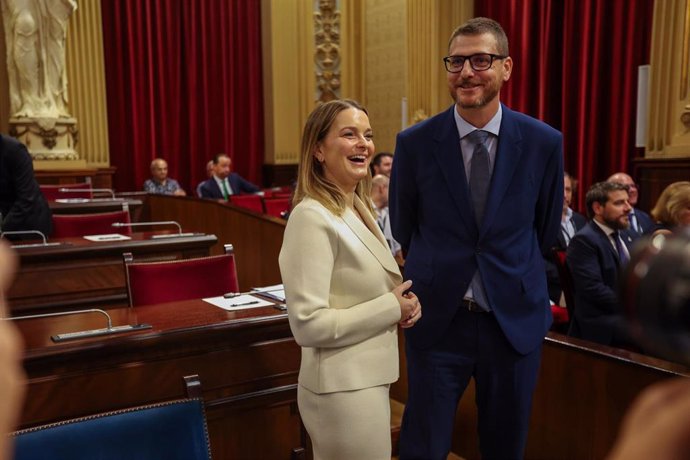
(327, 52)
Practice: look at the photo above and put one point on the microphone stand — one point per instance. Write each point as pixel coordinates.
(163, 222)
(88, 333)
(30, 245)
(97, 190)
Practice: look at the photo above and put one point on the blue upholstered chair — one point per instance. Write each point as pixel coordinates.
(174, 430)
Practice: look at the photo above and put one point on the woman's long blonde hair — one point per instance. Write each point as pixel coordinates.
(311, 179)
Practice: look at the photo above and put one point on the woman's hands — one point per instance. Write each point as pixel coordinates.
(410, 308)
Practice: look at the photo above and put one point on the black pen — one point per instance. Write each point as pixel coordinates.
(244, 303)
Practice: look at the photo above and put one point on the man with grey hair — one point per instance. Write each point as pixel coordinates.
(160, 183)
(379, 196)
(596, 256)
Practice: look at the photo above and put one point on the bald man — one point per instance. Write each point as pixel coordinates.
(160, 183)
(640, 221)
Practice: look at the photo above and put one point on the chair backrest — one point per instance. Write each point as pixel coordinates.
(566, 279)
(252, 202)
(66, 225)
(157, 282)
(52, 192)
(276, 206)
(170, 430)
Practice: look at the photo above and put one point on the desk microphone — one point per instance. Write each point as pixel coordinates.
(110, 191)
(162, 222)
(29, 232)
(88, 333)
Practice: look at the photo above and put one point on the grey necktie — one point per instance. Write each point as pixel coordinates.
(480, 176)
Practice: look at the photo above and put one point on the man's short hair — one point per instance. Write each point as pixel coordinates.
(480, 26)
(378, 158)
(599, 193)
(218, 156)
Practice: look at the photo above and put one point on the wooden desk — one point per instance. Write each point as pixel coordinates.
(81, 273)
(247, 362)
(582, 393)
(257, 238)
(95, 206)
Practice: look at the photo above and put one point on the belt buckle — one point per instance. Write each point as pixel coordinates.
(473, 306)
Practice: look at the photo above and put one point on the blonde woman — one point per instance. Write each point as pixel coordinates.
(344, 291)
(672, 209)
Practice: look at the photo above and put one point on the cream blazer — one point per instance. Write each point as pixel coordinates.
(338, 275)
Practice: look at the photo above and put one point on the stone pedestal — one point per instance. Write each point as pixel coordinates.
(47, 138)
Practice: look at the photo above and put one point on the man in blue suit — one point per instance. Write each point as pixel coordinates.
(596, 256)
(475, 216)
(223, 183)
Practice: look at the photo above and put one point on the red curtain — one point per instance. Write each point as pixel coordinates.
(183, 83)
(575, 67)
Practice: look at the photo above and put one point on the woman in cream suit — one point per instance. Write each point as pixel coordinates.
(344, 291)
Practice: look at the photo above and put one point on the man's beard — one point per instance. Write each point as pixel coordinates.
(617, 224)
(491, 91)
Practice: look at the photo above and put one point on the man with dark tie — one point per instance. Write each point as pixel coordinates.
(596, 256)
(224, 183)
(476, 198)
(640, 221)
(571, 222)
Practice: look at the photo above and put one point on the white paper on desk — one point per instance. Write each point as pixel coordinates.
(107, 237)
(240, 302)
(277, 292)
(72, 200)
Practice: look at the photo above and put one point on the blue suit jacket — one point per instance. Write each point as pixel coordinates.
(210, 189)
(595, 270)
(433, 219)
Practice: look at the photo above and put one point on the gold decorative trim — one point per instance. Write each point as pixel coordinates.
(686, 50)
(327, 53)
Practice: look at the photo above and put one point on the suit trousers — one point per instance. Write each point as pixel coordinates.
(348, 425)
(473, 346)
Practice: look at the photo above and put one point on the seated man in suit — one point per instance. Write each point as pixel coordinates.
(596, 256)
(571, 223)
(22, 205)
(640, 221)
(160, 183)
(224, 183)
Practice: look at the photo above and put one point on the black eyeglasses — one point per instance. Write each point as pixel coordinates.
(478, 62)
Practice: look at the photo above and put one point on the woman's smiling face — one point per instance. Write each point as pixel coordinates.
(347, 149)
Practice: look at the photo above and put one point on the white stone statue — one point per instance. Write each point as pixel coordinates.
(35, 32)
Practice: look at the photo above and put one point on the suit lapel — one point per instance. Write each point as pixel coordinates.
(370, 235)
(448, 154)
(605, 240)
(508, 156)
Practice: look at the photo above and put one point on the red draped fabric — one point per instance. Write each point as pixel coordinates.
(184, 82)
(575, 67)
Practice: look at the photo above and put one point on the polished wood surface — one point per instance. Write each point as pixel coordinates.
(79, 273)
(96, 206)
(247, 361)
(99, 177)
(582, 393)
(257, 238)
(654, 174)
